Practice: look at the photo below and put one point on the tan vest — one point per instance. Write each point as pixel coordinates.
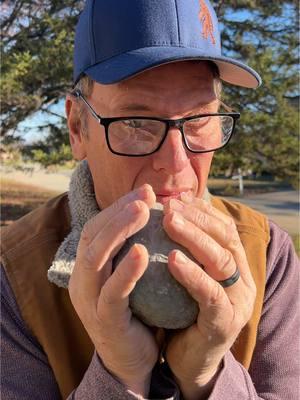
(28, 248)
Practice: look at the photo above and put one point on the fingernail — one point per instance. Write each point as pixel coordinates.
(176, 205)
(187, 197)
(177, 219)
(134, 252)
(133, 208)
(180, 258)
(143, 191)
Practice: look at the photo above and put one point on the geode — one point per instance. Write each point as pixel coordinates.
(158, 299)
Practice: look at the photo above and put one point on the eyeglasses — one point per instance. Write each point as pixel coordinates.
(140, 136)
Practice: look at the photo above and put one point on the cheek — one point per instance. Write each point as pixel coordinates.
(201, 165)
(113, 176)
(202, 162)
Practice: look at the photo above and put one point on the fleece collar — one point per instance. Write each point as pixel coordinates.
(83, 206)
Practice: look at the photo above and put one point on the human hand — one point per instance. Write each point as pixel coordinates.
(126, 347)
(195, 354)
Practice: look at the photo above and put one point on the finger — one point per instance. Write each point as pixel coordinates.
(217, 305)
(205, 206)
(91, 269)
(144, 193)
(123, 225)
(223, 231)
(218, 262)
(205, 290)
(216, 224)
(114, 297)
(231, 237)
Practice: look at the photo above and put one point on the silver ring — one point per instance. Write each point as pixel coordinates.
(230, 281)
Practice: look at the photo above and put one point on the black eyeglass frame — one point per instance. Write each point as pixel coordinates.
(177, 123)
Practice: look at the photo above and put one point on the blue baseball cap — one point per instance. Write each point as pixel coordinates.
(117, 39)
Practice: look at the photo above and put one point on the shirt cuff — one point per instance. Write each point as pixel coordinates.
(99, 384)
(233, 381)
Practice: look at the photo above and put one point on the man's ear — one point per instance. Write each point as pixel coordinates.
(75, 132)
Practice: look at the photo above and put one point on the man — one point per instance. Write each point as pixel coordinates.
(146, 116)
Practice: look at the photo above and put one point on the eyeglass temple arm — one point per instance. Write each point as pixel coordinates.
(78, 94)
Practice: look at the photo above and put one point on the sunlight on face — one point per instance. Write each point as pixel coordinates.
(173, 91)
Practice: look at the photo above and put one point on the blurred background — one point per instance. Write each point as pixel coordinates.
(259, 167)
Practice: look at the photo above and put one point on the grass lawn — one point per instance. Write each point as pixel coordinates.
(18, 199)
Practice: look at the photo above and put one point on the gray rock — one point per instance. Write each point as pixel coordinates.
(158, 299)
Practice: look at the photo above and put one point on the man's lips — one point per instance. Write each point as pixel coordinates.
(164, 196)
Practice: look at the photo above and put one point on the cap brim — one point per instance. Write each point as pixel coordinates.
(128, 64)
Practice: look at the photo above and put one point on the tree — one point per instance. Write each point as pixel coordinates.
(37, 46)
(265, 35)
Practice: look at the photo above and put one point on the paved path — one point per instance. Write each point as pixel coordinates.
(281, 207)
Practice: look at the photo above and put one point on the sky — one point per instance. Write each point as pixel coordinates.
(28, 128)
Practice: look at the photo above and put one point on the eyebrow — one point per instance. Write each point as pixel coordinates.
(135, 107)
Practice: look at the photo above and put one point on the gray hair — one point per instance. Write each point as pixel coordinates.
(85, 85)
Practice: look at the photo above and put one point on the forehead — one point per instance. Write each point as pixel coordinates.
(181, 84)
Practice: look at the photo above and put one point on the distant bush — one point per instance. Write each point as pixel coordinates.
(57, 157)
(10, 155)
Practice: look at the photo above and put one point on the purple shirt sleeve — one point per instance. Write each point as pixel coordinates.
(24, 365)
(273, 374)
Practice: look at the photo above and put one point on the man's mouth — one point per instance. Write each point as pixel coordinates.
(164, 197)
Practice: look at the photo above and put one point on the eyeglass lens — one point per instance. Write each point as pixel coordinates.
(143, 136)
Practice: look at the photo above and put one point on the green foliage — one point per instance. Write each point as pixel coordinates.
(54, 150)
(58, 157)
(267, 135)
(36, 45)
(37, 50)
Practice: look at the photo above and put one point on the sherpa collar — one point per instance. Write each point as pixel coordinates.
(83, 206)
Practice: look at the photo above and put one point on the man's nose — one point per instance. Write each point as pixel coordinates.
(172, 156)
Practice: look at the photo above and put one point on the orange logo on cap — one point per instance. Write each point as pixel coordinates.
(205, 19)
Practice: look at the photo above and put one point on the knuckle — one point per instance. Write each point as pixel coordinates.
(206, 206)
(201, 219)
(118, 204)
(196, 277)
(216, 293)
(105, 296)
(200, 239)
(225, 261)
(119, 274)
(231, 235)
(87, 231)
(91, 256)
